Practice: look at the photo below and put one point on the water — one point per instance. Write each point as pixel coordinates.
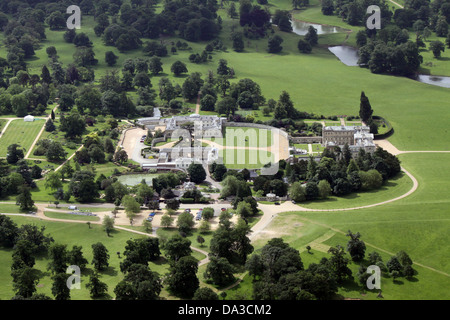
(349, 56)
(301, 28)
(134, 179)
(435, 80)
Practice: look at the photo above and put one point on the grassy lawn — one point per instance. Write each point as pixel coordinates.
(20, 132)
(10, 208)
(55, 136)
(69, 216)
(391, 189)
(245, 137)
(75, 234)
(246, 158)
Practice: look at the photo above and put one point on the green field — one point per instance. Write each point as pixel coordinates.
(317, 83)
(245, 137)
(74, 234)
(69, 216)
(391, 189)
(245, 158)
(303, 76)
(20, 132)
(417, 224)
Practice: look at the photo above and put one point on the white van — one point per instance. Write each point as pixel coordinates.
(73, 207)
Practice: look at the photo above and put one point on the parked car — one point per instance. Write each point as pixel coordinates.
(277, 203)
(152, 214)
(149, 219)
(198, 217)
(293, 202)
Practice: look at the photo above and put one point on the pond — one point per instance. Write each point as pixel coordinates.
(349, 56)
(134, 179)
(301, 28)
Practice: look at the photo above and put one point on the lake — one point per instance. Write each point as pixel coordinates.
(134, 179)
(301, 28)
(349, 56)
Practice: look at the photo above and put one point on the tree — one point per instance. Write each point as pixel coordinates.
(441, 27)
(339, 264)
(173, 204)
(73, 125)
(53, 181)
(139, 283)
(96, 287)
(55, 152)
(182, 280)
(355, 246)
(370, 180)
(24, 200)
(14, 154)
(82, 40)
(142, 80)
(393, 265)
(76, 258)
(60, 290)
(244, 209)
(437, 47)
(177, 247)
(327, 7)
(274, 44)
(185, 222)
(178, 68)
(59, 258)
(108, 224)
(297, 192)
(155, 65)
(205, 293)
(304, 46)
(131, 206)
(311, 36)
(404, 258)
(147, 225)
(166, 220)
(207, 102)
(219, 271)
(324, 189)
(196, 172)
(238, 41)
(24, 281)
(121, 156)
(365, 110)
(50, 126)
(140, 251)
(100, 256)
(84, 57)
(231, 12)
(207, 213)
(110, 58)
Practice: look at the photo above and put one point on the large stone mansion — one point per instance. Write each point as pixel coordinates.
(357, 137)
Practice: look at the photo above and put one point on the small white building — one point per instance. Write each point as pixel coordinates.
(28, 118)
